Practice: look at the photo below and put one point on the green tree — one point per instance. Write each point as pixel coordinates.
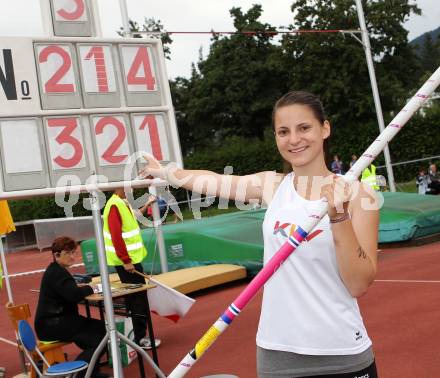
(232, 91)
(430, 54)
(333, 65)
(181, 94)
(150, 25)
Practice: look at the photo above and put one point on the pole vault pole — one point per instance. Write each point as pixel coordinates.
(301, 233)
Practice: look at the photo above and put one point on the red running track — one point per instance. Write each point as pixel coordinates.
(401, 311)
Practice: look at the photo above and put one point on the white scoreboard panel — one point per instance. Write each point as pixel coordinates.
(98, 75)
(58, 76)
(73, 108)
(71, 18)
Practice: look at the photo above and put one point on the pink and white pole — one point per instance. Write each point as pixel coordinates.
(301, 233)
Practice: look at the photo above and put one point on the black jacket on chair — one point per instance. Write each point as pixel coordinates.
(57, 316)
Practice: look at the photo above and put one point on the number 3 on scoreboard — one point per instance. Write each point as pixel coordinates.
(65, 143)
(70, 10)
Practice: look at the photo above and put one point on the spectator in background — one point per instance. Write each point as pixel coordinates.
(336, 166)
(423, 180)
(434, 177)
(163, 207)
(369, 177)
(353, 160)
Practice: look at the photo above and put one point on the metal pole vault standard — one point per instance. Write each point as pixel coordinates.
(376, 97)
(5, 271)
(300, 234)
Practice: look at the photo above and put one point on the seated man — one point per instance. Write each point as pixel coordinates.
(57, 317)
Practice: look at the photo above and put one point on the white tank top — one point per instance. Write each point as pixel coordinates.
(306, 307)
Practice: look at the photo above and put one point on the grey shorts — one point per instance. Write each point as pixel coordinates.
(278, 364)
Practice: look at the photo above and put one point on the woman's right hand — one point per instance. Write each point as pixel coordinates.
(152, 169)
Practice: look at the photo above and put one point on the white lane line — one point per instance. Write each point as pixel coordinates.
(39, 271)
(408, 281)
(8, 341)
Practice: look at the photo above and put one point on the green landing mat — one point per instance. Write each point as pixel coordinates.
(408, 216)
(236, 238)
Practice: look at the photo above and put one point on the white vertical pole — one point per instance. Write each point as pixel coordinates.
(125, 19)
(11, 300)
(152, 189)
(97, 28)
(377, 104)
(5, 271)
(106, 290)
(46, 18)
(159, 235)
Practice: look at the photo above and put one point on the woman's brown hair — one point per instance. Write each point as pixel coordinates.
(63, 243)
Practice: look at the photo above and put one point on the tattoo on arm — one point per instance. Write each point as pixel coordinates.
(361, 253)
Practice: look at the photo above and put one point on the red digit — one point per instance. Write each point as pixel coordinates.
(109, 153)
(150, 121)
(141, 60)
(97, 53)
(65, 136)
(52, 85)
(74, 15)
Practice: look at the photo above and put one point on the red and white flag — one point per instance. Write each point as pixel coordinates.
(167, 302)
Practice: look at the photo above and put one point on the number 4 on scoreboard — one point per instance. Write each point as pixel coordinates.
(141, 74)
(138, 68)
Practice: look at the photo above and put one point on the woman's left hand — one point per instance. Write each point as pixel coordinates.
(338, 194)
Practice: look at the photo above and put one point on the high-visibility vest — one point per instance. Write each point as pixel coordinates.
(130, 233)
(369, 177)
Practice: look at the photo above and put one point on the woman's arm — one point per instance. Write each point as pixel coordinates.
(258, 187)
(356, 240)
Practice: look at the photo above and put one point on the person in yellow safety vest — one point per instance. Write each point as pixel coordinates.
(125, 251)
(369, 177)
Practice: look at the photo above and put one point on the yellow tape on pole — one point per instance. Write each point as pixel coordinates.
(207, 339)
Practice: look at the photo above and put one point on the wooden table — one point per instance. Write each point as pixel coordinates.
(122, 290)
(189, 280)
(119, 290)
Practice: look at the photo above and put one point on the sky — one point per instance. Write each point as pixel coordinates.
(184, 15)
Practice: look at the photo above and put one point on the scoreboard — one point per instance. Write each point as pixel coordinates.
(74, 107)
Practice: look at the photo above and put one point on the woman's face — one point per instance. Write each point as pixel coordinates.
(66, 258)
(299, 135)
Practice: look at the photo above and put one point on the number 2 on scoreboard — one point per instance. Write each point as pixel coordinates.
(56, 69)
(111, 139)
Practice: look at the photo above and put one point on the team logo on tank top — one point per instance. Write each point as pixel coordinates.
(288, 229)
